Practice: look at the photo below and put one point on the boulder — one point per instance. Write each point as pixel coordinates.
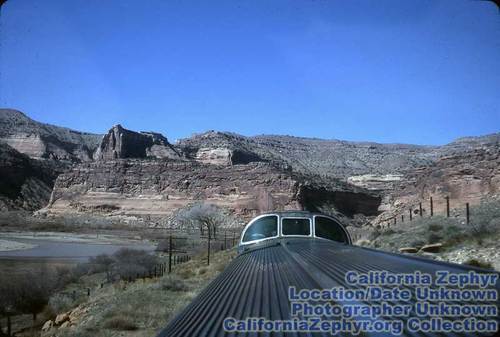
(411, 250)
(76, 314)
(432, 248)
(65, 325)
(61, 318)
(47, 325)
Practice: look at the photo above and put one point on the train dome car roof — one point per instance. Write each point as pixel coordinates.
(263, 238)
(256, 283)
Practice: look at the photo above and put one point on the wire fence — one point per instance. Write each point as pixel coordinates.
(418, 210)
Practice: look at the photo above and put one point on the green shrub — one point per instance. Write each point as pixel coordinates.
(478, 263)
(435, 227)
(119, 323)
(485, 217)
(434, 237)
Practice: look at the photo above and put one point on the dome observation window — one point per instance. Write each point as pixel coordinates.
(288, 224)
(264, 227)
(327, 228)
(296, 226)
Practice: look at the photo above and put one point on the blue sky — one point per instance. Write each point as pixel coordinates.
(423, 71)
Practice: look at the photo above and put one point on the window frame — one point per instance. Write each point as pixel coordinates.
(263, 239)
(311, 233)
(349, 240)
(279, 232)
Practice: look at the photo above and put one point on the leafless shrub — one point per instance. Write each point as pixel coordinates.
(204, 216)
(173, 283)
(26, 293)
(61, 303)
(177, 244)
(124, 264)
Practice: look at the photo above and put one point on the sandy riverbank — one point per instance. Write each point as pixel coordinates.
(8, 245)
(71, 237)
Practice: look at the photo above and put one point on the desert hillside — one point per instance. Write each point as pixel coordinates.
(129, 173)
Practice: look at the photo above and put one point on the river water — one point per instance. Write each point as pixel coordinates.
(59, 250)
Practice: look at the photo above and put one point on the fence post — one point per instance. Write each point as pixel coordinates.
(208, 248)
(170, 254)
(225, 238)
(88, 292)
(420, 208)
(395, 220)
(467, 212)
(447, 206)
(402, 218)
(9, 326)
(411, 211)
(432, 207)
(233, 238)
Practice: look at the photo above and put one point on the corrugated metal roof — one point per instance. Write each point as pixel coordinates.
(256, 283)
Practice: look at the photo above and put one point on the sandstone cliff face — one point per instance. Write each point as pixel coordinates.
(222, 148)
(128, 172)
(38, 140)
(122, 143)
(468, 171)
(25, 183)
(332, 158)
(159, 187)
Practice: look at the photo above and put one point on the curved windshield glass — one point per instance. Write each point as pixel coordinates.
(296, 226)
(262, 228)
(329, 229)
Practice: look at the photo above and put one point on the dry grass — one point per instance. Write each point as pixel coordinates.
(119, 323)
(143, 308)
(451, 232)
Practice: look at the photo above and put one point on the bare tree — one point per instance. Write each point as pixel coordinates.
(26, 293)
(205, 216)
(8, 300)
(33, 291)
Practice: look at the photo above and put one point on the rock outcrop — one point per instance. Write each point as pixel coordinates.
(158, 187)
(467, 171)
(25, 183)
(128, 172)
(332, 158)
(39, 140)
(122, 143)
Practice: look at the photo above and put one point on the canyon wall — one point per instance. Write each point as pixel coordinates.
(158, 187)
